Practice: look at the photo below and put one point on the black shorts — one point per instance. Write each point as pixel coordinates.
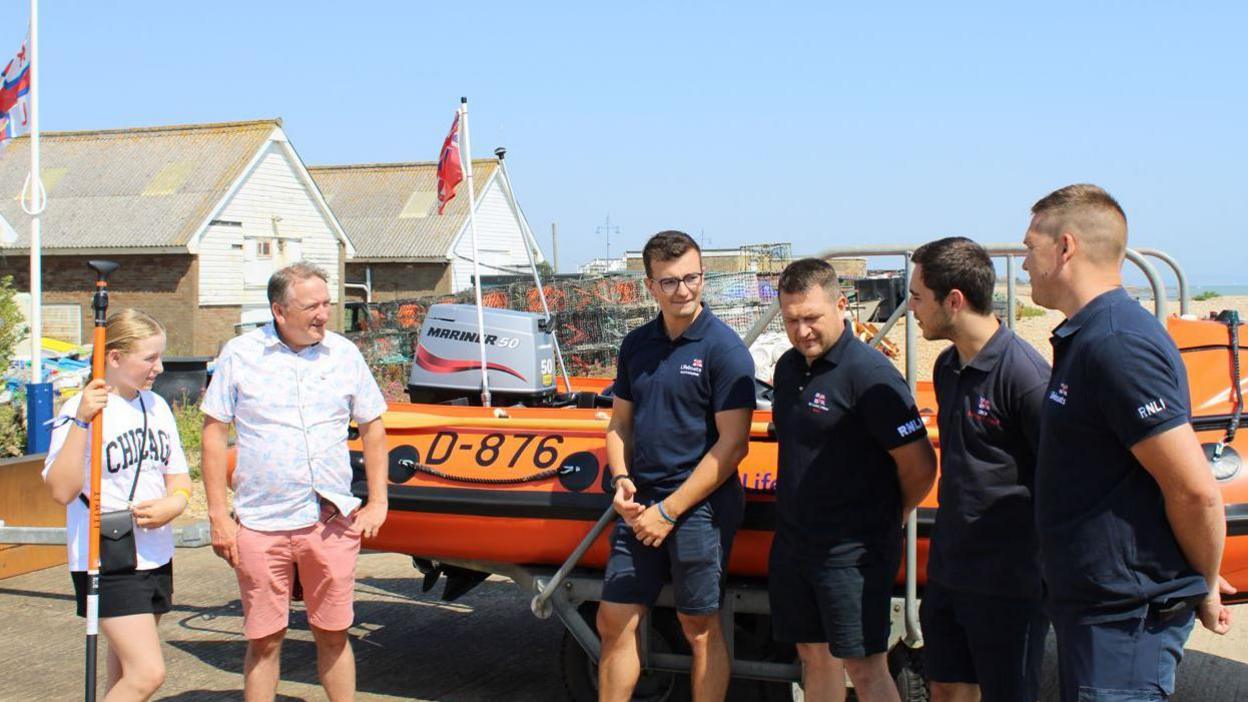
(994, 642)
(134, 592)
(846, 606)
(694, 557)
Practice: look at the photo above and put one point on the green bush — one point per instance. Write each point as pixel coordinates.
(12, 329)
(1024, 312)
(1207, 295)
(12, 326)
(12, 431)
(190, 423)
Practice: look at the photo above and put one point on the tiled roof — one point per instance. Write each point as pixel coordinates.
(389, 210)
(128, 188)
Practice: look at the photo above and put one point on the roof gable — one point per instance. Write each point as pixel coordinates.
(389, 210)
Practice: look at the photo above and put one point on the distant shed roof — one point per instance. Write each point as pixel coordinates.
(389, 210)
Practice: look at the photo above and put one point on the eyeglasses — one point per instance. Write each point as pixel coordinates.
(669, 286)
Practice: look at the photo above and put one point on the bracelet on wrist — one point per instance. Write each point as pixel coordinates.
(57, 422)
(615, 479)
(663, 513)
(184, 493)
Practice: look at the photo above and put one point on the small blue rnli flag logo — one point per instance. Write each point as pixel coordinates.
(692, 368)
(819, 403)
(1059, 395)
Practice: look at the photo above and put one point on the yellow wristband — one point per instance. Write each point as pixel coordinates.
(185, 493)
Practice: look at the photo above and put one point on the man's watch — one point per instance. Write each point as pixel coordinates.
(615, 479)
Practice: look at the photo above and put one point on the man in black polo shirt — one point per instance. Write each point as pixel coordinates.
(854, 460)
(680, 424)
(1131, 523)
(983, 623)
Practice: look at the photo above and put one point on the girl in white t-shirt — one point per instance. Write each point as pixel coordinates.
(140, 434)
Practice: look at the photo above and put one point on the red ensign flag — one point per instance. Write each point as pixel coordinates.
(450, 168)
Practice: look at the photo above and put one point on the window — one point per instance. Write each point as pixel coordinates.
(264, 248)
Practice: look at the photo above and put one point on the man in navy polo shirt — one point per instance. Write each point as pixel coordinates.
(854, 460)
(983, 622)
(680, 424)
(1131, 523)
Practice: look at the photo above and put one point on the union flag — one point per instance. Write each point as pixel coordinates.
(15, 95)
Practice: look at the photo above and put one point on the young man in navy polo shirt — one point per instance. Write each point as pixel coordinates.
(854, 460)
(983, 622)
(680, 424)
(1131, 523)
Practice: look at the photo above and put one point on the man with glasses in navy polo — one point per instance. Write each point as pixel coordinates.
(1130, 520)
(680, 425)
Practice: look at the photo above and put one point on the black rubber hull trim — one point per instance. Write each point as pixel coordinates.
(1237, 520)
(534, 504)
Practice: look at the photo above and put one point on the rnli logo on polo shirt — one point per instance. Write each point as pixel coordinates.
(819, 403)
(1059, 395)
(692, 368)
(910, 427)
(983, 412)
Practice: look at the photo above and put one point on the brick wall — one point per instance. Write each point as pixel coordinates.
(163, 285)
(395, 281)
(213, 327)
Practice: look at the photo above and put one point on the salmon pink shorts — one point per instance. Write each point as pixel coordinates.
(325, 554)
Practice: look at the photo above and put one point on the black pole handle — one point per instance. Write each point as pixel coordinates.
(103, 269)
(99, 302)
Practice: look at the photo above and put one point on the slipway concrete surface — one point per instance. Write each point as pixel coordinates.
(408, 644)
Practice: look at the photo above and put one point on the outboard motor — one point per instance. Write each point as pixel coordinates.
(519, 355)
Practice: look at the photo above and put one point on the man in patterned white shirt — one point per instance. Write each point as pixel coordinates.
(291, 389)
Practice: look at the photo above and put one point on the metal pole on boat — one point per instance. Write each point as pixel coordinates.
(540, 604)
(914, 635)
(530, 244)
(100, 304)
(1010, 295)
(554, 248)
(466, 157)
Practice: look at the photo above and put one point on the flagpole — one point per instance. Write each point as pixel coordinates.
(466, 156)
(530, 244)
(34, 200)
(35, 208)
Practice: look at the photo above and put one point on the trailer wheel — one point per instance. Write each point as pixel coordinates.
(906, 666)
(580, 674)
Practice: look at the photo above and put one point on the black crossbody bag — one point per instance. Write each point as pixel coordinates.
(118, 552)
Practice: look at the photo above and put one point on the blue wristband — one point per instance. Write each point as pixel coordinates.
(60, 421)
(663, 513)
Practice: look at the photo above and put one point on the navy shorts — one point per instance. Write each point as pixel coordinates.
(694, 557)
(1128, 659)
(846, 606)
(994, 642)
(132, 592)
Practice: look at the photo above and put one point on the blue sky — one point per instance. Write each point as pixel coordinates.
(821, 124)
